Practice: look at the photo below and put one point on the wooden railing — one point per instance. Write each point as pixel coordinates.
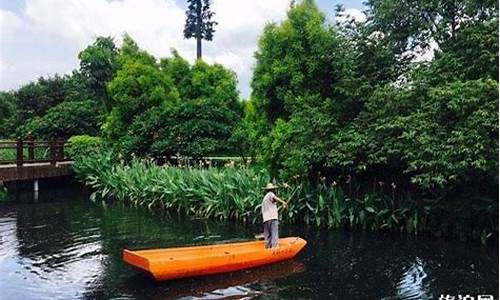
(25, 152)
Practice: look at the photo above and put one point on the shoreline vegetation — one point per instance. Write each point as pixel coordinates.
(234, 193)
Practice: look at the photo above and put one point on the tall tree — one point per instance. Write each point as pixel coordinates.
(415, 24)
(138, 86)
(97, 65)
(199, 23)
(298, 97)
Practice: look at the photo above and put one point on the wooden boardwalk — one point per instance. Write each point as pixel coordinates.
(33, 171)
(52, 162)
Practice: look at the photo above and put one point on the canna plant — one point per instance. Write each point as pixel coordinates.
(236, 193)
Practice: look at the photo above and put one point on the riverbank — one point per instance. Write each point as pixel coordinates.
(235, 193)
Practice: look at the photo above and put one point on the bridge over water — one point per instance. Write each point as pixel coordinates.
(33, 160)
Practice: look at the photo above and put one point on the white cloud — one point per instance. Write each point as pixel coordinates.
(352, 13)
(427, 54)
(156, 25)
(9, 23)
(6, 68)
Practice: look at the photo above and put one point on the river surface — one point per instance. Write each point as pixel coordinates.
(63, 246)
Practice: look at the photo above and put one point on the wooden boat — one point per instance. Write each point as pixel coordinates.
(173, 263)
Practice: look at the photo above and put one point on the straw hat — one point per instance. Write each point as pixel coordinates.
(270, 186)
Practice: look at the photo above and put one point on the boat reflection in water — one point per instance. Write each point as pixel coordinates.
(233, 285)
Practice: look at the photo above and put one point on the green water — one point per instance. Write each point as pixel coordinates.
(63, 246)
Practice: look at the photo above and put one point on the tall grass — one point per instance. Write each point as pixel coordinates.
(236, 193)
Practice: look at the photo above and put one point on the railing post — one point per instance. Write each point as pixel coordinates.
(52, 150)
(31, 150)
(62, 143)
(19, 156)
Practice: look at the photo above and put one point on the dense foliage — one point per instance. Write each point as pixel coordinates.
(97, 65)
(431, 125)
(141, 105)
(80, 146)
(171, 108)
(46, 108)
(65, 120)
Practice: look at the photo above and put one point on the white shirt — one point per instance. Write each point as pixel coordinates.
(269, 208)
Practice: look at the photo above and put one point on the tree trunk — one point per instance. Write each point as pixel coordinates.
(198, 47)
(198, 30)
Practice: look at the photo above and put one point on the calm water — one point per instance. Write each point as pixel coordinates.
(65, 247)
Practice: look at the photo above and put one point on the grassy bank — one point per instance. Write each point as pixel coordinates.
(236, 193)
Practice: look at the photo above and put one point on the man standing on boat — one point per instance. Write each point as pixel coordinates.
(270, 215)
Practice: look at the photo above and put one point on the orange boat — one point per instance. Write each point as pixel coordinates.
(173, 263)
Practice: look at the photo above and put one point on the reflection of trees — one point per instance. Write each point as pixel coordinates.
(57, 248)
(48, 230)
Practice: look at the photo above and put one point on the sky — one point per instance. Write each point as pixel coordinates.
(44, 37)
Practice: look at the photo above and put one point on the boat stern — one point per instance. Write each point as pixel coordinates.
(135, 260)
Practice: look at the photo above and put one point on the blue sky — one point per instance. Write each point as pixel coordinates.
(43, 37)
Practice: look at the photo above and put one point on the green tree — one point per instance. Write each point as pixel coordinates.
(439, 129)
(414, 24)
(373, 58)
(8, 112)
(202, 81)
(130, 51)
(431, 126)
(138, 86)
(171, 107)
(35, 98)
(301, 72)
(471, 55)
(199, 24)
(98, 63)
(180, 71)
(196, 129)
(65, 120)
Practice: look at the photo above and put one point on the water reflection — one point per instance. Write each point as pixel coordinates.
(234, 285)
(412, 284)
(43, 260)
(71, 248)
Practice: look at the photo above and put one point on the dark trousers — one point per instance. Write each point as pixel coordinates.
(271, 233)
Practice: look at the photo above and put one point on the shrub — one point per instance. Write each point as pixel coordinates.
(83, 145)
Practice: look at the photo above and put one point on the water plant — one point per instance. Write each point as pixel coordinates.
(236, 193)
